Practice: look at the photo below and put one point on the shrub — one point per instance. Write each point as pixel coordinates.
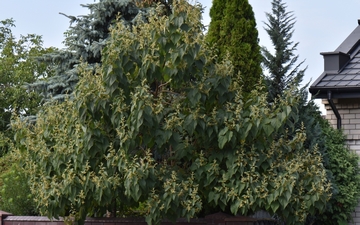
(343, 163)
(15, 196)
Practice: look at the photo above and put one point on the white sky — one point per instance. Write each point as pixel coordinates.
(321, 24)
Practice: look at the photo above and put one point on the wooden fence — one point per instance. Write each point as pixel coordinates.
(214, 219)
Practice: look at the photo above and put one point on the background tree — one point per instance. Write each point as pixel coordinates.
(164, 123)
(18, 66)
(233, 30)
(15, 194)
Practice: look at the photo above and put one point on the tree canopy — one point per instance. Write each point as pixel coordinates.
(163, 122)
(18, 66)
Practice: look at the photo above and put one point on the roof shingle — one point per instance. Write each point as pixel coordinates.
(342, 69)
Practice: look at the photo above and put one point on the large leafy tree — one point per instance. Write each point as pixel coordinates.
(163, 122)
(18, 66)
(232, 31)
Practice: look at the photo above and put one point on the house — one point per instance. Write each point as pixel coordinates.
(339, 88)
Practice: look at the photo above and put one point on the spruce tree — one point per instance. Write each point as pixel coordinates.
(233, 31)
(283, 70)
(86, 38)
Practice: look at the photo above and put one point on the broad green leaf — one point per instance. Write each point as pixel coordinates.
(274, 206)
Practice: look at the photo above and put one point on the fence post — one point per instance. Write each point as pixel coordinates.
(3, 215)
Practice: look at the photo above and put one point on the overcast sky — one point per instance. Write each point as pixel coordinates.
(321, 24)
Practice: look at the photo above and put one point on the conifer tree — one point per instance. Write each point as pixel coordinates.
(283, 71)
(233, 31)
(86, 38)
(281, 65)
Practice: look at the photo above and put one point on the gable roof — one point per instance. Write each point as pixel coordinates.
(341, 74)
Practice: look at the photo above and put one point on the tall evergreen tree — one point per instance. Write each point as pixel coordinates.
(284, 71)
(281, 65)
(233, 30)
(86, 38)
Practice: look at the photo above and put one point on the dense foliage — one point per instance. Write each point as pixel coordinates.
(15, 195)
(163, 122)
(344, 164)
(232, 31)
(18, 66)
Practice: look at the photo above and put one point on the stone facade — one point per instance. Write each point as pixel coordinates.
(349, 110)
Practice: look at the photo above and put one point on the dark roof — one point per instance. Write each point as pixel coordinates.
(341, 73)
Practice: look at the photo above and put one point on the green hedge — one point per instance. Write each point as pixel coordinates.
(344, 165)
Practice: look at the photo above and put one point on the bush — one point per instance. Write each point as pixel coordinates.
(343, 163)
(15, 194)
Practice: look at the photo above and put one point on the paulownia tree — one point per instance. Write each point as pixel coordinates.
(164, 123)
